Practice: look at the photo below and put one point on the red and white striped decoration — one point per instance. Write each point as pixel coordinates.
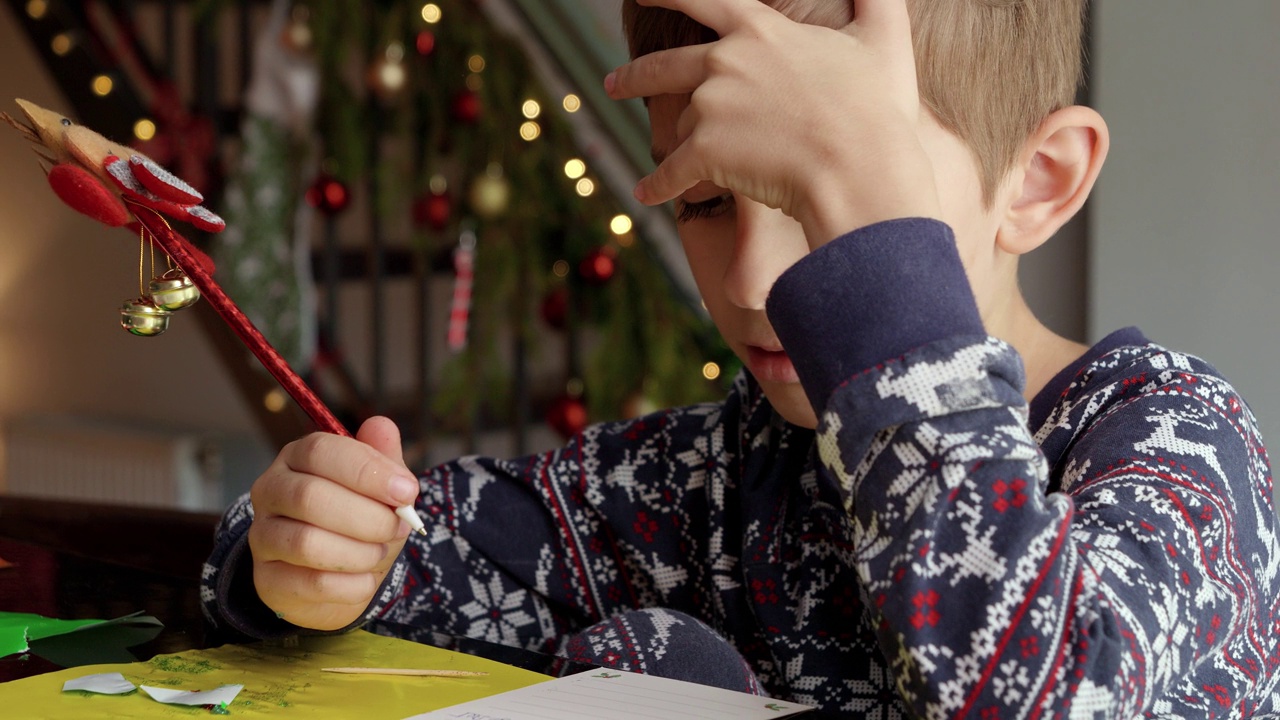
(464, 271)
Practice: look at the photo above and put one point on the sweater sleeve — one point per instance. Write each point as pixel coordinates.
(992, 596)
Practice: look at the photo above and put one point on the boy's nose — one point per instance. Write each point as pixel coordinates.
(766, 242)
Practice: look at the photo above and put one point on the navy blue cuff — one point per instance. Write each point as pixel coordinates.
(238, 599)
(869, 296)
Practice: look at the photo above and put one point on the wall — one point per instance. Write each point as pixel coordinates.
(1186, 219)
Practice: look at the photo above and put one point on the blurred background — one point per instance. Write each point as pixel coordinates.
(360, 151)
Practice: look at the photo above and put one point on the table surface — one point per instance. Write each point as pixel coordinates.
(75, 560)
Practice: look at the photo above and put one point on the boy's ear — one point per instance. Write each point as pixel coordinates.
(1057, 169)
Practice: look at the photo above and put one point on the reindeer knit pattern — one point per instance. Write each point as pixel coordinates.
(935, 548)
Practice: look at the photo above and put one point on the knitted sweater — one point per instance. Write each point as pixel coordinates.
(934, 548)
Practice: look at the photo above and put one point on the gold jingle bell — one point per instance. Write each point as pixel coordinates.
(174, 291)
(141, 317)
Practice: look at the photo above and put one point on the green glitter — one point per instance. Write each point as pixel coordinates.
(220, 709)
(179, 664)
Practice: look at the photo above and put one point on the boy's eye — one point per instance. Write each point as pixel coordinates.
(716, 206)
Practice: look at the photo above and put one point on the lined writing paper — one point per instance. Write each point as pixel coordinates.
(613, 694)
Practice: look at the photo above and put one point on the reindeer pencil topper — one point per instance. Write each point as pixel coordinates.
(120, 187)
(103, 180)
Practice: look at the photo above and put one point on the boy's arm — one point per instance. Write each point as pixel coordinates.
(990, 593)
(521, 552)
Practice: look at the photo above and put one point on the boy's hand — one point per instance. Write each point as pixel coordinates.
(820, 123)
(325, 532)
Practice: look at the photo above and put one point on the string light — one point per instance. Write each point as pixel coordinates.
(530, 130)
(560, 268)
(620, 225)
(575, 169)
(531, 109)
(585, 187)
(103, 85)
(431, 13)
(474, 82)
(144, 129)
(572, 103)
(711, 371)
(475, 63)
(61, 44)
(36, 9)
(274, 401)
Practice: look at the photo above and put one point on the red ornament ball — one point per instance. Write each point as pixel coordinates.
(555, 308)
(567, 416)
(466, 106)
(425, 43)
(328, 195)
(432, 210)
(599, 266)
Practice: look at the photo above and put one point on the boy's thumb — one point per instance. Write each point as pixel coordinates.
(382, 435)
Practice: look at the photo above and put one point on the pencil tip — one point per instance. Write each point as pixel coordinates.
(422, 531)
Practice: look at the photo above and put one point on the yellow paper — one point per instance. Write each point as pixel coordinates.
(278, 682)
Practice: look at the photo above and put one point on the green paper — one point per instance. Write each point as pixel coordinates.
(70, 643)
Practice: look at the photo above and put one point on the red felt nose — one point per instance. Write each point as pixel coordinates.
(80, 189)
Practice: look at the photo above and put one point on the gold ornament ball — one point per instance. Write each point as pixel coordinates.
(490, 195)
(173, 291)
(141, 317)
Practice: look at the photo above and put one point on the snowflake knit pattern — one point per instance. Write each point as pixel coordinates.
(1122, 562)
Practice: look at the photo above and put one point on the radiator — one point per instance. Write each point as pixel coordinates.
(86, 461)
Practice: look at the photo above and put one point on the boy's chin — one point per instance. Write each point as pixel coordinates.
(791, 403)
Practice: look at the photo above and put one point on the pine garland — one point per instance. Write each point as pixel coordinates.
(645, 340)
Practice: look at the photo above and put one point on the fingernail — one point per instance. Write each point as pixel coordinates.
(404, 490)
(610, 81)
(639, 192)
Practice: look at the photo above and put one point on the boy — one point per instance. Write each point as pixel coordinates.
(853, 210)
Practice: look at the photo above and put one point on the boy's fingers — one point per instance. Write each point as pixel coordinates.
(672, 177)
(304, 545)
(280, 582)
(326, 505)
(353, 464)
(676, 71)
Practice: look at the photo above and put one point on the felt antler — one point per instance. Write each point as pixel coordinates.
(122, 188)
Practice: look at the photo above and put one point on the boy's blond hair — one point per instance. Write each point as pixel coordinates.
(989, 70)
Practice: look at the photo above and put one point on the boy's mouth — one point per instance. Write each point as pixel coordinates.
(771, 365)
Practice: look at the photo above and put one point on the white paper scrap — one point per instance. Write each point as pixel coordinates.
(224, 694)
(617, 695)
(103, 683)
